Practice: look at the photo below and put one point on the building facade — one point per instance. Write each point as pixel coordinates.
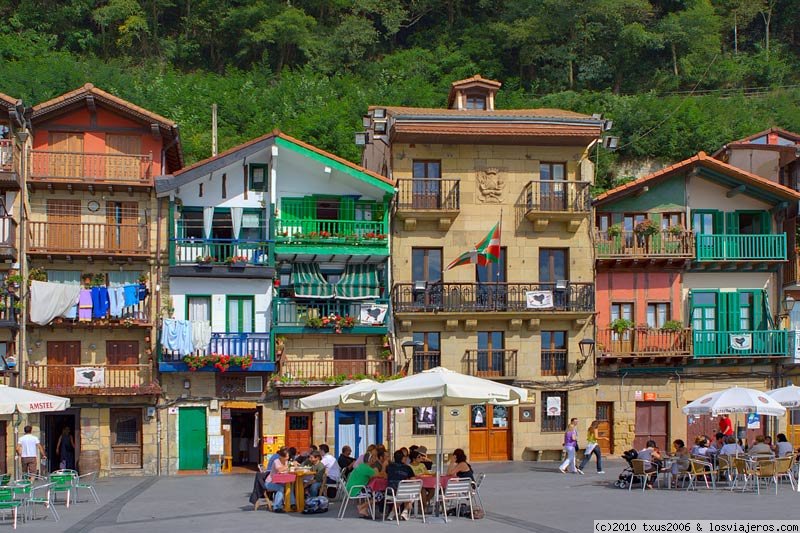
(460, 171)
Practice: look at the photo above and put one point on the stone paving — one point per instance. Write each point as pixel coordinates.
(518, 497)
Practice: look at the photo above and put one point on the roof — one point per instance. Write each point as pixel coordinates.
(701, 159)
(223, 159)
(476, 78)
(468, 83)
(61, 104)
(502, 129)
(480, 114)
(779, 131)
(7, 101)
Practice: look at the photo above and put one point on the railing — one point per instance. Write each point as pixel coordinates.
(560, 196)
(631, 245)
(493, 296)
(99, 379)
(308, 313)
(741, 343)
(429, 194)
(425, 360)
(490, 363)
(194, 251)
(72, 166)
(554, 362)
(255, 345)
(741, 247)
(89, 238)
(9, 314)
(317, 231)
(8, 232)
(6, 155)
(293, 371)
(644, 342)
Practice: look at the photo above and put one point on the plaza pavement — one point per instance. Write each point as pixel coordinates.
(518, 497)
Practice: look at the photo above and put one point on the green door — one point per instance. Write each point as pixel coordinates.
(192, 451)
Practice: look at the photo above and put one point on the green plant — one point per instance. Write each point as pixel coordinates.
(676, 231)
(672, 325)
(621, 325)
(37, 274)
(314, 322)
(646, 228)
(143, 277)
(385, 353)
(615, 230)
(204, 259)
(99, 280)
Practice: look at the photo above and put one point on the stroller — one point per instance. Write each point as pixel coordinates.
(625, 476)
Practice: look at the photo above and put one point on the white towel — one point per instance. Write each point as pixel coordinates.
(50, 300)
(201, 334)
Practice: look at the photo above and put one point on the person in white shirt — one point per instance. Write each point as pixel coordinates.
(730, 447)
(27, 448)
(332, 466)
(760, 447)
(784, 447)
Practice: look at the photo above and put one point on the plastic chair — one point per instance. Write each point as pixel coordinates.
(8, 503)
(35, 498)
(86, 482)
(408, 491)
(361, 494)
(458, 489)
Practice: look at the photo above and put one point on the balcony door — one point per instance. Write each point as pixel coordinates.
(492, 293)
(426, 184)
(427, 354)
(553, 185)
(553, 268)
(240, 319)
(704, 319)
(491, 354)
(122, 231)
(121, 358)
(64, 225)
(61, 355)
(66, 154)
(426, 269)
(349, 359)
(124, 162)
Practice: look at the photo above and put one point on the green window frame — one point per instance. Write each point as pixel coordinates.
(700, 224)
(240, 325)
(740, 310)
(258, 178)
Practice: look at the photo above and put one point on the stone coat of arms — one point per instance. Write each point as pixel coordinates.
(490, 185)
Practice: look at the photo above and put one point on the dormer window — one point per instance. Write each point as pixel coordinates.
(473, 93)
(475, 101)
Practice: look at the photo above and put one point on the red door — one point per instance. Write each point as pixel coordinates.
(62, 357)
(298, 431)
(652, 423)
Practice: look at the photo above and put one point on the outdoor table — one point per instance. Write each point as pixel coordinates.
(429, 481)
(286, 479)
(299, 490)
(378, 484)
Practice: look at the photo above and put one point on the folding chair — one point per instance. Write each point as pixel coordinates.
(362, 494)
(40, 495)
(408, 491)
(457, 490)
(86, 482)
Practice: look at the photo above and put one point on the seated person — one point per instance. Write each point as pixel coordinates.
(716, 446)
(346, 459)
(423, 452)
(730, 447)
(701, 448)
(652, 457)
(760, 447)
(783, 447)
(681, 457)
(396, 472)
(280, 466)
(314, 464)
(458, 465)
(419, 470)
(358, 478)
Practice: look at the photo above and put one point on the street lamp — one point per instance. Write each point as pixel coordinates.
(788, 304)
(411, 344)
(586, 347)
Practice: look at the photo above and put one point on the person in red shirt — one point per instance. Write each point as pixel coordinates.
(726, 425)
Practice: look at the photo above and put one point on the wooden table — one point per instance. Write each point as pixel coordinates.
(299, 490)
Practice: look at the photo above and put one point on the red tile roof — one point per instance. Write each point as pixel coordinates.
(501, 129)
(8, 101)
(780, 131)
(701, 159)
(482, 114)
(476, 78)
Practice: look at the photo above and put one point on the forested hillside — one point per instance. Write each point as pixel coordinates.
(311, 67)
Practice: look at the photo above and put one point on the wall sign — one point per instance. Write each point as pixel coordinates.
(527, 413)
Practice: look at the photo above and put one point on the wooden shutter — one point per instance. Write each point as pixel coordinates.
(64, 225)
(68, 159)
(123, 162)
(719, 223)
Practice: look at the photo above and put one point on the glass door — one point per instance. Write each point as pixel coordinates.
(704, 322)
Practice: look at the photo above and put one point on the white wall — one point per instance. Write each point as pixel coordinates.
(730, 282)
(704, 194)
(218, 288)
(234, 187)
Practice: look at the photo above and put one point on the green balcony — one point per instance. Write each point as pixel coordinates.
(735, 344)
(319, 236)
(741, 247)
(312, 316)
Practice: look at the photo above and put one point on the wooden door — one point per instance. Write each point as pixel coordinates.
(123, 162)
(3, 444)
(126, 438)
(604, 414)
(67, 160)
(553, 186)
(652, 423)
(62, 356)
(64, 225)
(192, 442)
(122, 231)
(121, 360)
(426, 190)
(490, 433)
(298, 431)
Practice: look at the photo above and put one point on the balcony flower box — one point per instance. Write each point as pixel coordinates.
(237, 261)
(337, 322)
(218, 362)
(204, 261)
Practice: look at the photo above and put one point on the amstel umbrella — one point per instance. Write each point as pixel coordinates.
(13, 400)
(788, 396)
(735, 400)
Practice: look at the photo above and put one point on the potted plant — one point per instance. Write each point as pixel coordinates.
(672, 325)
(237, 261)
(385, 353)
(204, 260)
(675, 239)
(645, 228)
(142, 278)
(614, 231)
(621, 325)
(37, 274)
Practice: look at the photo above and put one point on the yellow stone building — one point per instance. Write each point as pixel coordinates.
(459, 171)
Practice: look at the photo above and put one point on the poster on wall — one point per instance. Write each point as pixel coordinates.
(216, 445)
(753, 421)
(741, 341)
(214, 425)
(539, 299)
(373, 314)
(553, 406)
(425, 418)
(88, 376)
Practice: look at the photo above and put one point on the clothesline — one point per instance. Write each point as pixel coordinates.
(184, 336)
(50, 300)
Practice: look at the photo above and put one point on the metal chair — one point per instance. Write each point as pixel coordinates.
(408, 491)
(744, 468)
(362, 494)
(36, 498)
(8, 503)
(22, 491)
(62, 482)
(639, 467)
(458, 489)
(86, 482)
(784, 466)
(476, 487)
(767, 470)
(699, 468)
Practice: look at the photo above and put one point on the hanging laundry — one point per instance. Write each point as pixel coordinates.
(49, 300)
(72, 312)
(115, 302)
(100, 308)
(142, 292)
(176, 335)
(131, 295)
(185, 336)
(201, 334)
(85, 305)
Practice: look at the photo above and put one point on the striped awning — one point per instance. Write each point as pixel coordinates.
(308, 282)
(359, 282)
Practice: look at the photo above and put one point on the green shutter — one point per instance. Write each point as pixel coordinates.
(655, 240)
(719, 223)
(731, 223)
(766, 223)
(760, 313)
(347, 209)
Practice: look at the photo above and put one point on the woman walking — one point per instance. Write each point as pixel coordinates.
(570, 445)
(592, 448)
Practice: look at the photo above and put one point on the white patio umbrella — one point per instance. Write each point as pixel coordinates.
(440, 387)
(788, 396)
(735, 400)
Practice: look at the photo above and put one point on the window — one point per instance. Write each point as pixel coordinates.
(669, 220)
(241, 314)
(706, 222)
(224, 185)
(68, 277)
(350, 359)
(424, 420)
(251, 229)
(425, 169)
(552, 171)
(553, 265)
(554, 353)
(491, 357)
(631, 220)
(492, 272)
(126, 277)
(704, 310)
(426, 264)
(349, 351)
(554, 419)
(198, 308)
(428, 355)
(621, 311)
(476, 101)
(603, 222)
(327, 209)
(657, 315)
(190, 225)
(745, 311)
(258, 177)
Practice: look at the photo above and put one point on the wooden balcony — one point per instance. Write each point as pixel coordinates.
(490, 364)
(565, 201)
(92, 170)
(92, 379)
(220, 258)
(751, 344)
(791, 273)
(89, 239)
(343, 238)
(425, 360)
(330, 372)
(501, 297)
(630, 250)
(8, 238)
(302, 315)
(643, 346)
(9, 166)
(428, 199)
(258, 346)
(732, 248)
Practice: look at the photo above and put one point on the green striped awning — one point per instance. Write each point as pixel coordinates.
(358, 282)
(308, 282)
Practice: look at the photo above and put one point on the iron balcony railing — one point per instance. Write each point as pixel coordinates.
(191, 251)
(557, 196)
(490, 363)
(429, 194)
(311, 370)
(750, 343)
(86, 238)
(492, 296)
(554, 362)
(91, 379)
(310, 313)
(426, 360)
(134, 169)
(741, 247)
(6, 155)
(631, 245)
(644, 342)
(255, 345)
(331, 232)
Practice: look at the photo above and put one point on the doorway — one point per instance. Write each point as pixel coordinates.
(349, 430)
(652, 423)
(490, 433)
(604, 414)
(245, 436)
(192, 442)
(298, 431)
(52, 427)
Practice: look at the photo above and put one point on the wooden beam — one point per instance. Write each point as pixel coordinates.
(736, 190)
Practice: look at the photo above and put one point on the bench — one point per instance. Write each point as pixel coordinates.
(541, 454)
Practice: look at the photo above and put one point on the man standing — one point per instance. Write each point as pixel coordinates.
(726, 425)
(27, 449)
(334, 472)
